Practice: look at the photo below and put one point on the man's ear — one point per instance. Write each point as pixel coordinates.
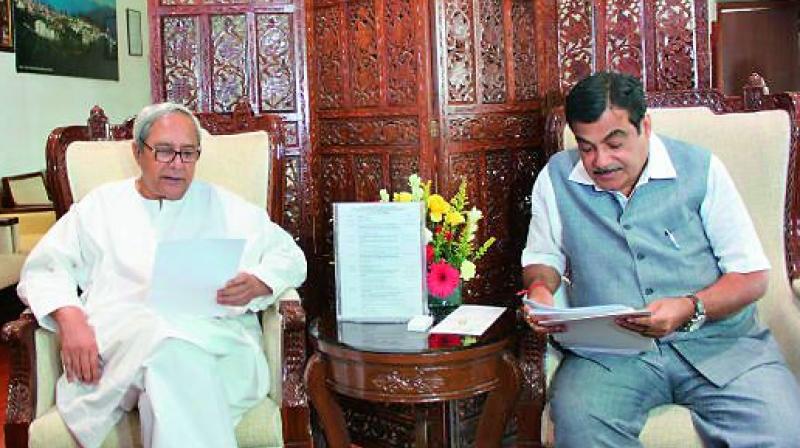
(136, 151)
(646, 126)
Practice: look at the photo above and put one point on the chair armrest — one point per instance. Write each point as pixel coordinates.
(284, 328)
(22, 391)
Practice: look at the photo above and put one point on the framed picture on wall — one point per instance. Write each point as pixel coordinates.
(134, 19)
(6, 26)
(66, 38)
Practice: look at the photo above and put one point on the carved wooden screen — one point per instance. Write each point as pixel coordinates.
(663, 41)
(209, 54)
(369, 73)
(490, 129)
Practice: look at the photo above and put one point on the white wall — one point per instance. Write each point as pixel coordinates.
(32, 105)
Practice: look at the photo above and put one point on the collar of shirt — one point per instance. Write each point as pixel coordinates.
(658, 166)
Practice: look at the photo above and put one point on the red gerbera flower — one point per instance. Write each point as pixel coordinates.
(442, 279)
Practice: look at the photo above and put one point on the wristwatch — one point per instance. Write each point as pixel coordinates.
(698, 318)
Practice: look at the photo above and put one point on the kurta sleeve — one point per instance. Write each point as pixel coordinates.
(282, 264)
(50, 276)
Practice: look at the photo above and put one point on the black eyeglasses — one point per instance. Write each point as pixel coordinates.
(167, 153)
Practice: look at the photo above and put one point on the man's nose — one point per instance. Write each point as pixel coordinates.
(602, 157)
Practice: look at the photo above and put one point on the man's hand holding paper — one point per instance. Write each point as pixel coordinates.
(666, 315)
(240, 290)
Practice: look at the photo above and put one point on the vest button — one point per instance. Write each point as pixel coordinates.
(648, 291)
(626, 226)
(640, 256)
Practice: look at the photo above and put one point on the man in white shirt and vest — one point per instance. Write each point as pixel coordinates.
(191, 377)
(650, 222)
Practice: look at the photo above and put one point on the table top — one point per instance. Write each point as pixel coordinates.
(388, 338)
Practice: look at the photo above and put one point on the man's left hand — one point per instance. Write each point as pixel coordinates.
(241, 289)
(667, 315)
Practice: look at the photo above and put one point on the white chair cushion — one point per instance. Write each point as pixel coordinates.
(237, 162)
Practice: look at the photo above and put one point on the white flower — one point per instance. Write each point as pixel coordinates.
(415, 183)
(467, 270)
(384, 195)
(428, 235)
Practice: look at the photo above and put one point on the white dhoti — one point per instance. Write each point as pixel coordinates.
(193, 377)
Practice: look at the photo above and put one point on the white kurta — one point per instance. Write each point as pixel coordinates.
(106, 245)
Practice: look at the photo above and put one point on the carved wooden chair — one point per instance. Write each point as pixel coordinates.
(74, 155)
(756, 137)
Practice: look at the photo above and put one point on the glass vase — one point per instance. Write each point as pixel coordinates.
(441, 307)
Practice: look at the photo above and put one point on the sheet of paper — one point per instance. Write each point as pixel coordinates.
(380, 261)
(188, 273)
(469, 319)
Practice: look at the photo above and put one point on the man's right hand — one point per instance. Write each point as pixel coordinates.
(79, 352)
(540, 294)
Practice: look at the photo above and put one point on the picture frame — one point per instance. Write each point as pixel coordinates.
(134, 21)
(6, 26)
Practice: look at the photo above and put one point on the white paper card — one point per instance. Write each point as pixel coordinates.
(188, 273)
(380, 261)
(469, 319)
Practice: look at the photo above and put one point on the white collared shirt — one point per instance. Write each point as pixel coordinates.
(727, 224)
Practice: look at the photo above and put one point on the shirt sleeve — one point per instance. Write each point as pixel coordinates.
(728, 225)
(545, 235)
(49, 277)
(282, 264)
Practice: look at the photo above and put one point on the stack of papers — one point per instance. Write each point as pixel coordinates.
(593, 328)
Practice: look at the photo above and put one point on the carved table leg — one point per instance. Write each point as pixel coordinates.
(324, 402)
(499, 404)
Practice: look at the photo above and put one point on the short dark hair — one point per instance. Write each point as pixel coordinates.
(596, 93)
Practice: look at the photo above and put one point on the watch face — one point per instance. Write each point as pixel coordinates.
(697, 322)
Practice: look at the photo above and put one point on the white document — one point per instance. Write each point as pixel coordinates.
(382, 337)
(188, 273)
(593, 328)
(469, 319)
(380, 261)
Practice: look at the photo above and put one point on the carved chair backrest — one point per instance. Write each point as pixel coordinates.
(260, 183)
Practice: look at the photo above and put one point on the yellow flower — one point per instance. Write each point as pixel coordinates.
(403, 196)
(467, 270)
(437, 206)
(454, 218)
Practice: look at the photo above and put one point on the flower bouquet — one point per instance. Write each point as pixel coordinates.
(451, 250)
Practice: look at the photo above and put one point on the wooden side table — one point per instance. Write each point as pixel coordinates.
(399, 373)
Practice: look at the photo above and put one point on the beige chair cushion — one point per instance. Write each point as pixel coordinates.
(755, 149)
(10, 266)
(237, 162)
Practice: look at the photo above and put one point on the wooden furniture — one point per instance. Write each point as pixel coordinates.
(384, 363)
(756, 136)
(284, 323)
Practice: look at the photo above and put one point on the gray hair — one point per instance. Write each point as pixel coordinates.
(145, 119)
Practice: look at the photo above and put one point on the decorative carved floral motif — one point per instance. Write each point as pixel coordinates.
(229, 48)
(181, 61)
(575, 45)
(420, 381)
(364, 69)
(495, 127)
(675, 64)
(368, 177)
(369, 131)
(291, 196)
(327, 27)
(400, 168)
(522, 17)
(492, 52)
(460, 55)
(291, 129)
(276, 62)
(624, 36)
(401, 52)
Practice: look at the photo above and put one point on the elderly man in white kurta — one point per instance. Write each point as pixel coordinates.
(191, 377)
